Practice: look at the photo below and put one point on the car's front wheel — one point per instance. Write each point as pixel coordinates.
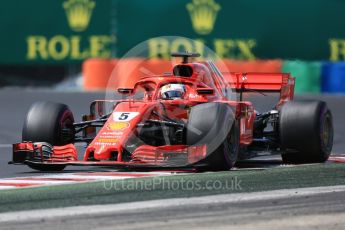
(214, 125)
(49, 122)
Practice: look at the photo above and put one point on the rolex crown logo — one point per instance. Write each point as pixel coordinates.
(203, 14)
(79, 13)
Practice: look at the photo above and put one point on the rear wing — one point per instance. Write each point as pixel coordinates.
(259, 81)
(271, 82)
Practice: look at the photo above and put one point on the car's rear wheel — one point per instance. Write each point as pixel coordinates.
(306, 132)
(214, 124)
(49, 122)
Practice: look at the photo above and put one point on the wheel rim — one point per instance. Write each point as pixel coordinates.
(66, 119)
(66, 122)
(232, 146)
(327, 132)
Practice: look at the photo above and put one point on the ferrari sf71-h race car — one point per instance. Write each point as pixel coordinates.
(194, 117)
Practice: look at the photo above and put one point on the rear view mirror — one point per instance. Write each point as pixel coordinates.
(183, 71)
(125, 91)
(205, 91)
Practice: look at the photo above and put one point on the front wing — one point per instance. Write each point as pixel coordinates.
(169, 156)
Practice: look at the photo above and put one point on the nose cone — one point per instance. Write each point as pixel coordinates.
(116, 131)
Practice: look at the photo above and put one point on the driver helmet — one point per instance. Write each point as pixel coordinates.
(173, 91)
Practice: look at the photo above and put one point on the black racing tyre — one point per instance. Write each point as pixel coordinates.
(306, 132)
(47, 168)
(214, 124)
(49, 122)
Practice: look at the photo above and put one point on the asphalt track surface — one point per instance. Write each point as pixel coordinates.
(15, 102)
(301, 209)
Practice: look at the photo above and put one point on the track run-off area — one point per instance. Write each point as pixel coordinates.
(53, 178)
(274, 197)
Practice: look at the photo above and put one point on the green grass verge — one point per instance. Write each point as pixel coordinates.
(171, 187)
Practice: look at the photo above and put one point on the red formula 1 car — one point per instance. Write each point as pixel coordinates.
(193, 117)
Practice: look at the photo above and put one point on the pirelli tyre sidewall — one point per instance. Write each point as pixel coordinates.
(214, 124)
(45, 122)
(306, 132)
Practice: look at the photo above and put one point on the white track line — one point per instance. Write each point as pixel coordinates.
(165, 203)
(339, 159)
(41, 182)
(82, 177)
(69, 178)
(6, 187)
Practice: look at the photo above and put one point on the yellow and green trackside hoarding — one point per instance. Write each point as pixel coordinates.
(65, 31)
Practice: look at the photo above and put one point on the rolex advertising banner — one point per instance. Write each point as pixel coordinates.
(237, 29)
(55, 31)
(70, 31)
